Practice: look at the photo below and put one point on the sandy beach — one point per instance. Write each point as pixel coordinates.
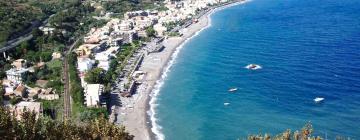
(134, 114)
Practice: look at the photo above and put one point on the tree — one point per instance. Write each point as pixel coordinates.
(46, 56)
(2, 92)
(304, 134)
(95, 76)
(92, 113)
(37, 32)
(15, 100)
(32, 128)
(150, 32)
(2, 74)
(24, 46)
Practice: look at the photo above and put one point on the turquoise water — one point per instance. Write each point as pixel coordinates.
(307, 48)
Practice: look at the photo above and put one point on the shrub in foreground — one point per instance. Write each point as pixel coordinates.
(32, 128)
(303, 134)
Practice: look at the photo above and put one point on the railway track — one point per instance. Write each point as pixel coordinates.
(66, 79)
(67, 105)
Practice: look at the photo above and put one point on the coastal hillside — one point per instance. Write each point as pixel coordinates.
(17, 16)
(20, 16)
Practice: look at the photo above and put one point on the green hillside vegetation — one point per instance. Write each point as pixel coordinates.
(17, 16)
(31, 128)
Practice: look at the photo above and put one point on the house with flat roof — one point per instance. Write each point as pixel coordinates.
(84, 64)
(48, 94)
(93, 94)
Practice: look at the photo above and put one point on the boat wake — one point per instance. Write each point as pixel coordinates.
(253, 67)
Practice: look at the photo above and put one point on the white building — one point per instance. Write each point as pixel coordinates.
(84, 64)
(16, 75)
(92, 94)
(159, 29)
(105, 57)
(124, 26)
(47, 30)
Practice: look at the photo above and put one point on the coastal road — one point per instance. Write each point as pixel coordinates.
(15, 42)
(27, 36)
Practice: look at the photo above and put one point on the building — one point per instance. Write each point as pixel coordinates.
(48, 94)
(142, 33)
(129, 36)
(56, 55)
(33, 92)
(143, 22)
(124, 26)
(18, 72)
(114, 42)
(93, 94)
(86, 49)
(84, 64)
(20, 91)
(9, 88)
(160, 30)
(47, 30)
(19, 108)
(132, 14)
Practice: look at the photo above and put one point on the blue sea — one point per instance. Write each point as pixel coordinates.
(307, 49)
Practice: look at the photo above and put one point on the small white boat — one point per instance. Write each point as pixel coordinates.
(225, 104)
(253, 67)
(318, 99)
(232, 89)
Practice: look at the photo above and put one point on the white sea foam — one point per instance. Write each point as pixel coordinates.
(156, 128)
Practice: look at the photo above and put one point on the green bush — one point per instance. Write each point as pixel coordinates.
(89, 114)
(15, 100)
(32, 128)
(304, 134)
(96, 76)
(76, 89)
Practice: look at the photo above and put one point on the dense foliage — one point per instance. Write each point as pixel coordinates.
(96, 76)
(76, 89)
(31, 128)
(18, 16)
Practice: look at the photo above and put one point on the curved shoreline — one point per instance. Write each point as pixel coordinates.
(140, 119)
(153, 128)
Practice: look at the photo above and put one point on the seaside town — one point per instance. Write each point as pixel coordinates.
(179, 69)
(104, 69)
